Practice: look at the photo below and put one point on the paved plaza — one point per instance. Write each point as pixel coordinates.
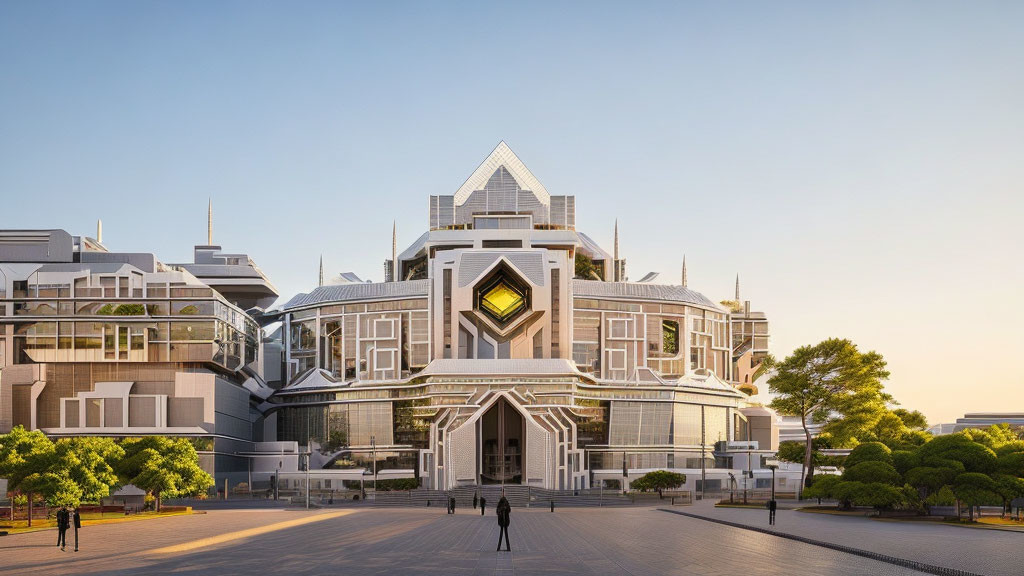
(599, 541)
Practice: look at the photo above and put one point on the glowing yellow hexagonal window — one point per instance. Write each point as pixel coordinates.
(502, 301)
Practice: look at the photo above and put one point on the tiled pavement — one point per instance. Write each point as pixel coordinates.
(633, 541)
(990, 552)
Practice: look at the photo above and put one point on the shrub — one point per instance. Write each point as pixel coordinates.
(872, 472)
(392, 484)
(944, 497)
(903, 460)
(930, 479)
(869, 452)
(822, 486)
(658, 480)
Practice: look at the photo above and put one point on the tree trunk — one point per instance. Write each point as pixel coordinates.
(157, 494)
(29, 510)
(808, 468)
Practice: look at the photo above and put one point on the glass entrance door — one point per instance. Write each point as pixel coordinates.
(502, 435)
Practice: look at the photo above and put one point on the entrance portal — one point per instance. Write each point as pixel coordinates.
(502, 434)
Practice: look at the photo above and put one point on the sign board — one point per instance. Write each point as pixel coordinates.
(772, 463)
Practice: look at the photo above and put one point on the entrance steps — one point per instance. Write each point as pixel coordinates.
(518, 497)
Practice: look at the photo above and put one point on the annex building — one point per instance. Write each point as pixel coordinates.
(504, 347)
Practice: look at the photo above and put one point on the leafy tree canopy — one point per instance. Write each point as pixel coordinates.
(869, 452)
(658, 480)
(962, 448)
(24, 456)
(872, 472)
(166, 467)
(976, 489)
(825, 383)
(903, 460)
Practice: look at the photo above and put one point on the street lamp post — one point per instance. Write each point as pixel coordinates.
(309, 454)
(373, 448)
(277, 478)
(772, 465)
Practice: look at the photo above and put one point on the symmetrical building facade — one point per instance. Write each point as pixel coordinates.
(504, 347)
(503, 350)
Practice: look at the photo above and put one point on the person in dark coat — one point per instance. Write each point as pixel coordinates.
(76, 522)
(62, 526)
(483, 504)
(475, 499)
(451, 505)
(504, 513)
(772, 506)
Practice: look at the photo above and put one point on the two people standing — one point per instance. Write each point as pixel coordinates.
(772, 506)
(67, 519)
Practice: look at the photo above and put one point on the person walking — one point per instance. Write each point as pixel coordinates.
(772, 506)
(474, 500)
(62, 526)
(483, 504)
(76, 522)
(504, 513)
(451, 505)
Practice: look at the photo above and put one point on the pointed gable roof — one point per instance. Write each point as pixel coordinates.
(502, 155)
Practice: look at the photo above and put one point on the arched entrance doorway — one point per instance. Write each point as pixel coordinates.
(502, 444)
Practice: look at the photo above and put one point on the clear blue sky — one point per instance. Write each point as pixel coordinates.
(859, 164)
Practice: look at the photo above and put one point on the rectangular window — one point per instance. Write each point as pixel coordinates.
(447, 309)
(670, 337)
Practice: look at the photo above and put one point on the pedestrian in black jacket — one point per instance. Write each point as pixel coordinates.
(62, 526)
(76, 521)
(504, 513)
(483, 505)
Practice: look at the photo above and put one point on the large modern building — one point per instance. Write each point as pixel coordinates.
(504, 347)
(507, 347)
(103, 343)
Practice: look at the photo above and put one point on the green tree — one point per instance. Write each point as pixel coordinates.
(976, 489)
(1011, 463)
(586, 269)
(869, 452)
(1008, 487)
(822, 383)
(822, 487)
(24, 457)
(903, 460)
(164, 467)
(927, 479)
(912, 419)
(959, 447)
(658, 480)
(80, 470)
(872, 472)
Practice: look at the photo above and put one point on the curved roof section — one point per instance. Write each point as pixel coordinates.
(502, 155)
(635, 291)
(355, 292)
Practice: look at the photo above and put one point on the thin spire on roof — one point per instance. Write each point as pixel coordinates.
(99, 231)
(616, 256)
(737, 287)
(684, 270)
(209, 224)
(321, 270)
(394, 251)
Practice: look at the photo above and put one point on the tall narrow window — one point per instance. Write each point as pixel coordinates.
(447, 297)
(670, 337)
(555, 313)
